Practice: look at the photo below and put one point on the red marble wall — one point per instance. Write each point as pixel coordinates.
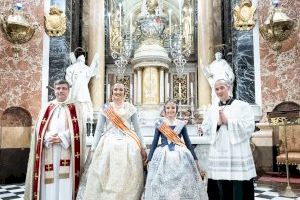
(20, 80)
(280, 74)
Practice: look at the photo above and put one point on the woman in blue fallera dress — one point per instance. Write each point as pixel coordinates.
(173, 169)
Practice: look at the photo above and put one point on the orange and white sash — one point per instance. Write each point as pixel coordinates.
(118, 122)
(169, 133)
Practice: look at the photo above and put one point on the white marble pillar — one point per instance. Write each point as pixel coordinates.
(205, 49)
(167, 86)
(135, 90)
(161, 86)
(139, 86)
(96, 45)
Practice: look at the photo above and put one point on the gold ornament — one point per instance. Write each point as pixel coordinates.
(55, 22)
(16, 27)
(277, 27)
(243, 16)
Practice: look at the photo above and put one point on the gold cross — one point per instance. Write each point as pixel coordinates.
(74, 119)
(36, 176)
(76, 136)
(77, 155)
(37, 156)
(48, 167)
(77, 173)
(44, 121)
(65, 162)
(35, 195)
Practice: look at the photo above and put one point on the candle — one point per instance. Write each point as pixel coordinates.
(131, 92)
(108, 14)
(168, 91)
(120, 8)
(130, 29)
(192, 90)
(108, 92)
(170, 22)
(179, 6)
(179, 90)
(190, 22)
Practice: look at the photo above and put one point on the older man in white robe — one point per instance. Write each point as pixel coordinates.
(229, 126)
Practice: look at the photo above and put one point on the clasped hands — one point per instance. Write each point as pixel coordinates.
(54, 139)
(222, 118)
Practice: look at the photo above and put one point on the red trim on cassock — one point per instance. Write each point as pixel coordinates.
(76, 145)
(38, 151)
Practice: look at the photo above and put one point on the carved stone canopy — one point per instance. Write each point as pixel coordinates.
(151, 55)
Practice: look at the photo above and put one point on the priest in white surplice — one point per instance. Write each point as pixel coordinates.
(229, 126)
(57, 150)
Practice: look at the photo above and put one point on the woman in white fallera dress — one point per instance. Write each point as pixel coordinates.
(173, 170)
(116, 170)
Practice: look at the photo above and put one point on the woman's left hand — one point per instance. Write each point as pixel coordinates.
(202, 174)
(144, 156)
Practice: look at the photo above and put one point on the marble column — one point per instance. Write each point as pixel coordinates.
(139, 86)
(243, 63)
(96, 42)
(161, 86)
(167, 86)
(60, 47)
(205, 49)
(135, 88)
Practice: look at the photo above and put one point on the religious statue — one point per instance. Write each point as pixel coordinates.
(78, 75)
(115, 35)
(187, 29)
(152, 6)
(218, 68)
(244, 15)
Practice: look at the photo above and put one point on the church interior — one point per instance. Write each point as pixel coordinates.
(160, 50)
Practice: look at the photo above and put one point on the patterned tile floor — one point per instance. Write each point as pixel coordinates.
(16, 191)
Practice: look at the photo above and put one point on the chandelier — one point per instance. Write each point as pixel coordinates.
(180, 40)
(152, 26)
(120, 40)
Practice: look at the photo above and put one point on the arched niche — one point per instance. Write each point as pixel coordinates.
(15, 128)
(16, 123)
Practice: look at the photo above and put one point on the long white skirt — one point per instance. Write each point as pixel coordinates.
(116, 170)
(173, 175)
